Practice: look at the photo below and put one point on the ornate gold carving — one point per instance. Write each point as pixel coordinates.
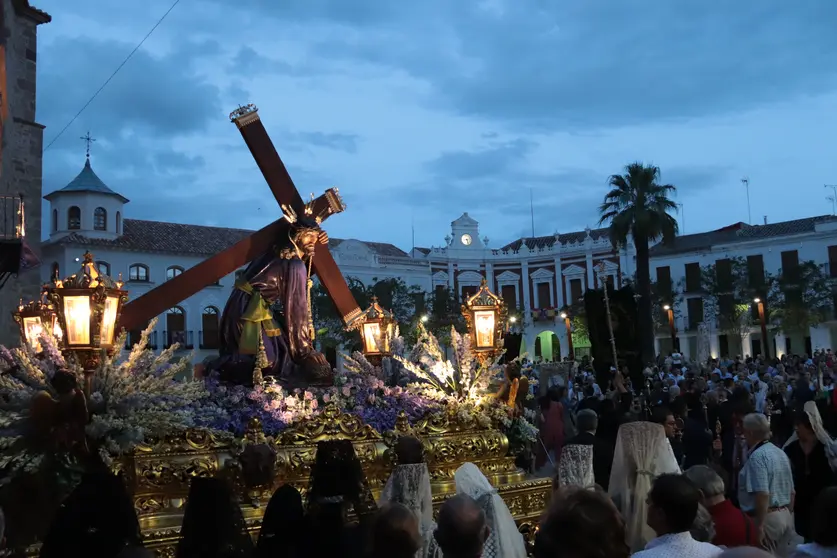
(191, 441)
(160, 473)
(331, 424)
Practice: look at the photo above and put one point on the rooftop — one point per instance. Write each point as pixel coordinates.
(191, 240)
(86, 181)
(739, 232)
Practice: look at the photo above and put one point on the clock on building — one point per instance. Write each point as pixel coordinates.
(466, 239)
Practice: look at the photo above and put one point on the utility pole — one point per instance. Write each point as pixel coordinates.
(832, 198)
(746, 182)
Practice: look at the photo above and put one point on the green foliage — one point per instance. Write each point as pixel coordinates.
(445, 312)
(578, 322)
(728, 296)
(801, 297)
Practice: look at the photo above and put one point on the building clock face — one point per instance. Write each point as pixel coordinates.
(466, 239)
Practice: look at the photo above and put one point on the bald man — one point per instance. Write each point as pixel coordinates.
(461, 529)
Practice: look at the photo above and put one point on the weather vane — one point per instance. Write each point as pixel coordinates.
(88, 139)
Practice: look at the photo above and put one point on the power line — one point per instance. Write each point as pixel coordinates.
(116, 71)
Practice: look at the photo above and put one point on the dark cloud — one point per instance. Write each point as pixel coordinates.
(159, 96)
(589, 62)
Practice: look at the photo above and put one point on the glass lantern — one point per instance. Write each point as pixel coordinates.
(485, 315)
(33, 318)
(87, 305)
(377, 327)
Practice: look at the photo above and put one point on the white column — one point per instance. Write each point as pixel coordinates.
(591, 283)
(489, 276)
(451, 277)
(746, 346)
(714, 346)
(656, 345)
(527, 302)
(552, 292)
(780, 344)
(559, 283)
(820, 338)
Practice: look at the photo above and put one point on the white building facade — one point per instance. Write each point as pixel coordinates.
(538, 276)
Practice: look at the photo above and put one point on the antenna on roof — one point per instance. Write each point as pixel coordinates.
(532, 208)
(832, 199)
(746, 182)
(413, 225)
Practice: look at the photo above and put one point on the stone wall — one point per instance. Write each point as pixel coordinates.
(21, 171)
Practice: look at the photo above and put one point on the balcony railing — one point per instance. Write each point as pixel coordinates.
(209, 339)
(184, 338)
(12, 217)
(134, 338)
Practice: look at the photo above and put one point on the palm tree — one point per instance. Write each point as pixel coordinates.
(637, 205)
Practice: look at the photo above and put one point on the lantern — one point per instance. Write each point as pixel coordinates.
(33, 318)
(485, 315)
(377, 327)
(88, 306)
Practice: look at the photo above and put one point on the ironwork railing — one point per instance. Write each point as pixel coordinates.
(208, 339)
(184, 338)
(12, 217)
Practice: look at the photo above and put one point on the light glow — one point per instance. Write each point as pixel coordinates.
(424, 319)
(666, 307)
(484, 326)
(77, 315)
(33, 328)
(513, 319)
(757, 300)
(563, 315)
(109, 320)
(372, 337)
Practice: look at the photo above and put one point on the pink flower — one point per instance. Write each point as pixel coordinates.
(346, 391)
(326, 398)
(276, 403)
(308, 396)
(314, 404)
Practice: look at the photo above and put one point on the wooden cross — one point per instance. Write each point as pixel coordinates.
(137, 313)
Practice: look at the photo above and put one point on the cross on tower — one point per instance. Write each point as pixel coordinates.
(89, 140)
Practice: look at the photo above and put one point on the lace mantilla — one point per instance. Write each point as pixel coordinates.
(575, 467)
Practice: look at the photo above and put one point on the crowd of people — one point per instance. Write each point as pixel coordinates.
(693, 459)
(733, 458)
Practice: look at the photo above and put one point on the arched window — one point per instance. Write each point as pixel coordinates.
(100, 219)
(138, 272)
(173, 272)
(176, 326)
(118, 222)
(104, 268)
(74, 218)
(55, 273)
(54, 220)
(209, 328)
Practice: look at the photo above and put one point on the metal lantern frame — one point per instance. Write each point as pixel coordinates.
(485, 307)
(88, 306)
(377, 328)
(33, 318)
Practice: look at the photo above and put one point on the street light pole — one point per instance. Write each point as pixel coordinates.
(672, 329)
(763, 322)
(833, 197)
(566, 318)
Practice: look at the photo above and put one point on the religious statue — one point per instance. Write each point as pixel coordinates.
(249, 330)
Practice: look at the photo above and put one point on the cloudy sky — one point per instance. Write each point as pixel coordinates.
(420, 111)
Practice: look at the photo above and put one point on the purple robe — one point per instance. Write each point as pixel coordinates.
(275, 279)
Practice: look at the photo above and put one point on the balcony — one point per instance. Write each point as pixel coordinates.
(544, 314)
(209, 339)
(133, 339)
(184, 338)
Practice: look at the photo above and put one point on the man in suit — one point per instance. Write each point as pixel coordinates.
(587, 421)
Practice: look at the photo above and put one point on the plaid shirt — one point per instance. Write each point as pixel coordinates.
(768, 469)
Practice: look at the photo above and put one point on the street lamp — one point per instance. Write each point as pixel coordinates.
(673, 330)
(763, 323)
(33, 318)
(425, 318)
(485, 316)
(87, 305)
(566, 318)
(377, 327)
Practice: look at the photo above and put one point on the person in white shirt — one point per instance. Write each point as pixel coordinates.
(672, 508)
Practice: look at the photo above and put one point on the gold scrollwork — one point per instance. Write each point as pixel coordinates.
(331, 424)
(161, 473)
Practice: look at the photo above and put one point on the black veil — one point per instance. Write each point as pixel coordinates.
(213, 525)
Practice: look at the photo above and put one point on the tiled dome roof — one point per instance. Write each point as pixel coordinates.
(87, 181)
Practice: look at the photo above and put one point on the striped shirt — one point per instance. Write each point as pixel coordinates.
(768, 469)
